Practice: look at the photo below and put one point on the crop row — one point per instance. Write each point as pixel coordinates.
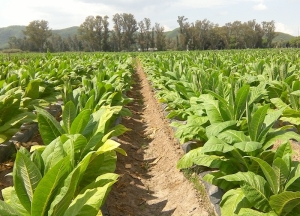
(235, 106)
(72, 172)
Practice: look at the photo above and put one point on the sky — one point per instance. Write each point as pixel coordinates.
(67, 13)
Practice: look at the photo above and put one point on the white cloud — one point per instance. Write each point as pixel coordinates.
(280, 27)
(260, 6)
(167, 28)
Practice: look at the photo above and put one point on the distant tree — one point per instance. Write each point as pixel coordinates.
(142, 35)
(295, 42)
(160, 38)
(147, 23)
(37, 33)
(117, 33)
(129, 29)
(269, 30)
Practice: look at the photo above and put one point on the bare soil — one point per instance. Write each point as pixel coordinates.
(149, 182)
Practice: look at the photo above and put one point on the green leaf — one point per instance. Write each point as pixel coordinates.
(68, 115)
(248, 146)
(232, 201)
(256, 125)
(49, 128)
(216, 128)
(240, 101)
(53, 153)
(278, 103)
(282, 172)
(6, 209)
(216, 145)
(293, 179)
(251, 212)
(115, 131)
(269, 121)
(269, 173)
(17, 120)
(285, 202)
(213, 111)
(48, 187)
(80, 122)
(233, 136)
(26, 177)
(32, 89)
(279, 136)
(187, 160)
(90, 202)
(11, 198)
(255, 189)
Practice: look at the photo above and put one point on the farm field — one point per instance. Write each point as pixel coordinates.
(115, 145)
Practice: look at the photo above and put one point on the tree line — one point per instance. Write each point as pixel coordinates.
(128, 34)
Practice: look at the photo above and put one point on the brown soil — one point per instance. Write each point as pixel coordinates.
(149, 183)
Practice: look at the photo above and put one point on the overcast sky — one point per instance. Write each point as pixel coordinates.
(66, 13)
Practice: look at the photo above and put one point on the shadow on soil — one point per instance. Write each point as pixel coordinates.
(129, 196)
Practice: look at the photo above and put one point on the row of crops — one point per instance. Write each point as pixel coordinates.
(235, 107)
(73, 171)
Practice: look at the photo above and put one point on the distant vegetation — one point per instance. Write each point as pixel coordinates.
(127, 34)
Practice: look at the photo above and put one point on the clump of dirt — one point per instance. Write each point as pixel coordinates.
(150, 183)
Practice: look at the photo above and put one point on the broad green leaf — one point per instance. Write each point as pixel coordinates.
(49, 186)
(282, 150)
(65, 195)
(282, 172)
(255, 189)
(6, 209)
(26, 177)
(101, 181)
(80, 122)
(32, 89)
(248, 146)
(99, 164)
(17, 120)
(187, 160)
(89, 202)
(285, 202)
(78, 142)
(68, 115)
(53, 153)
(214, 178)
(233, 136)
(216, 145)
(232, 201)
(269, 121)
(240, 101)
(115, 131)
(49, 127)
(293, 179)
(109, 145)
(11, 198)
(213, 112)
(256, 125)
(279, 136)
(278, 103)
(251, 212)
(269, 173)
(215, 128)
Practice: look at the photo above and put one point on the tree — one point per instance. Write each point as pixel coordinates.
(269, 30)
(160, 37)
(129, 28)
(38, 32)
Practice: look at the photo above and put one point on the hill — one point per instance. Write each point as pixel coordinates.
(17, 31)
(7, 32)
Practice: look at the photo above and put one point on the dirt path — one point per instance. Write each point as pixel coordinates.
(149, 182)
